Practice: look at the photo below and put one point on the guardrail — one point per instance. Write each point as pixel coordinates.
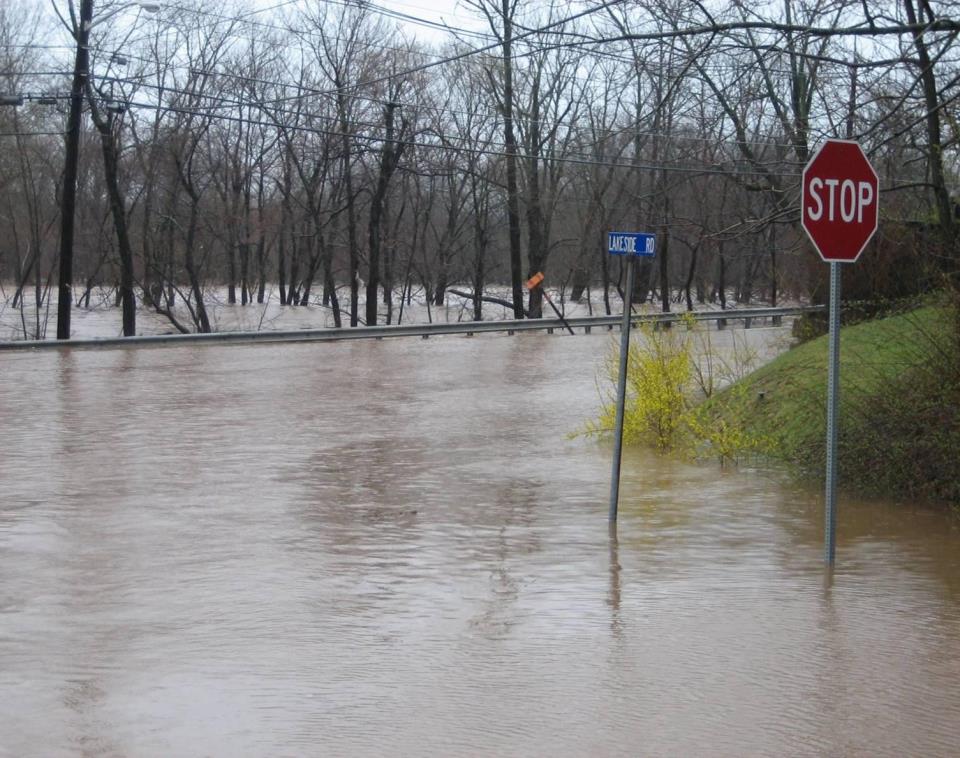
(469, 328)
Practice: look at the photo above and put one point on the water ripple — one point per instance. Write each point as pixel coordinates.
(393, 548)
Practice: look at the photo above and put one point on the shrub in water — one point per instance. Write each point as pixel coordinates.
(669, 373)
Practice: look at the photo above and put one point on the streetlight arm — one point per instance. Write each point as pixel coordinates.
(144, 6)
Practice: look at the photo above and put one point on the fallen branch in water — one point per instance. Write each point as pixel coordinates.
(487, 299)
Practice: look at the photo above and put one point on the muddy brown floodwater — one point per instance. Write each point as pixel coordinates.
(392, 548)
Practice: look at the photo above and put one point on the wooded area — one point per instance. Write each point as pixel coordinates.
(317, 150)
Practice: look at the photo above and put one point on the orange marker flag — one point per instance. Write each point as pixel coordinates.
(534, 281)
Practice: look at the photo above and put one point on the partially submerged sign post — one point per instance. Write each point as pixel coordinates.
(839, 210)
(630, 245)
(537, 281)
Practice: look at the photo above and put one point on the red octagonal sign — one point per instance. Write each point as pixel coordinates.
(841, 198)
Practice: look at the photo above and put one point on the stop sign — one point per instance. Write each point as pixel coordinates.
(840, 202)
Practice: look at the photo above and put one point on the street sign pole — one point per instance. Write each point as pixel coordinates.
(839, 209)
(629, 244)
(833, 399)
(621, 390)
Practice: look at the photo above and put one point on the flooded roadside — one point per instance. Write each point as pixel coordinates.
(393, 546)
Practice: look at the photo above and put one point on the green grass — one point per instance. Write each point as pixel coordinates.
(794, 386)
(900, 389)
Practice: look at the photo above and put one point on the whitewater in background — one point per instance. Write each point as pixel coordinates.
(103, 318)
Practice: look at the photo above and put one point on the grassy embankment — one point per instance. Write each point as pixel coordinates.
(899, 406)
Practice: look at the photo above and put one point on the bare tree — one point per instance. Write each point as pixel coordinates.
(501, 17)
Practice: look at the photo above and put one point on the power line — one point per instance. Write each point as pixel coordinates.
(419, 68)
(299, 33)
(630, 129)
(633, 165)
(31, 134)
(364, 6)
(302, 90)
(475, 51)
(417, 20)
(304, 35)
(36, 73)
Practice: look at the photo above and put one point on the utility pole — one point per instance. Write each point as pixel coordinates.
(507, 9)
(69, 193)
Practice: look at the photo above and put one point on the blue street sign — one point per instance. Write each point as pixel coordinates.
(631, 243)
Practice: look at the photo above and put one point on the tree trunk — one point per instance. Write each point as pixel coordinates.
(690, 274)
(261, 246)
(245, 252)
(933, 107)
(389, 158)
(232, 191)
(536, 237)
(663, 254)
(605, 273)
(352, 244)
(510, 142)
(119, 212)
(203, 322)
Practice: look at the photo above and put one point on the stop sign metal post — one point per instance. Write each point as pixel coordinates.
(839, 209)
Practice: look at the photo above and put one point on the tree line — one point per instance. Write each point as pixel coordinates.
(319, 151)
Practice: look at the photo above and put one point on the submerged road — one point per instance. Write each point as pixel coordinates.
(394, 547)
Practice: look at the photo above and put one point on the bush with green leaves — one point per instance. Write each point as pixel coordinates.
(669, 374)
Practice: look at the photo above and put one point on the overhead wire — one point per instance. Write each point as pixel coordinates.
(220, 99)
(473, 51)
(32, 134)
(299, 33)
(264, 105)
(302, 90)
(571, 157)
(580, 144)
(631, 165)
(356, 85)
